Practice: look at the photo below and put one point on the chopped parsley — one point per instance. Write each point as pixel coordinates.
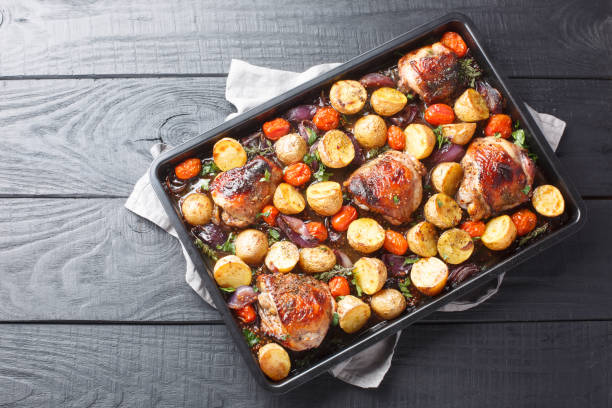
(442, 140)
(206, 250)
(518, 136)
(526, 189)
(228, 290)
(250, 337)
(312, 136)
(264, 214)
(228, 245)
(533, 234)
(266, 176)
(335, 319)
(273, 236)
(396, 199)
(404, 287)
(469, 71)
(209, 168)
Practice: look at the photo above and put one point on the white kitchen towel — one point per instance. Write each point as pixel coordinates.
(249, 86)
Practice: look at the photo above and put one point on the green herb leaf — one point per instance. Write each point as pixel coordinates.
(519, 138)
(205, 186)
(533, 234)
(409, 261)
(339, 298)
(469, 71)
(439, 203)
(263, 214)
(526, 189)
(372, 153)
(532, 156)
(206, 250)
(312, 136)
(273, 236)
(335, 319)
(497, 135)
(357, 287)
(309, 158)
(442, 140)
(266, 176)
(209, 168)
(228, 245)
(284, 337)
(228, 290)
(337, 270)
(396, 199)
(250, 337)
(322, 174)
(255, 288)
(410, 96)
(404, 287)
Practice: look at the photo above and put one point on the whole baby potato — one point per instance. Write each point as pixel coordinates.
(388, 303)
(325, 198)
(348, 97)
(197, 209)
(370, 131)
(290, 148)
(251, 246)
(388, 101)
(318, 259)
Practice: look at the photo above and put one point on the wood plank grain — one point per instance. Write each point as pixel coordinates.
(90, 259)
(106, 37)
(524, 364)
(92, 137)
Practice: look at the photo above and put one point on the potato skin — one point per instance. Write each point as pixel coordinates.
(290, 148)
(318, 259)
(228, 153)
(446, 177)
(353, 313)
(420, 140)
(231, 272)
(455, 246)
(288, 200)
(336, 149)
(429, 275)
(370, 131)
(499, 233)
(459, 133)
(370, 274)
(548, 201)
(422, 239)
(274, 361)
(282, 257)
(471, 107)
(197, 209)
(348, 96)
(388, 303)
(251, 246)
(387, 101)
(365, 235)
(325, 198)
(442, 211)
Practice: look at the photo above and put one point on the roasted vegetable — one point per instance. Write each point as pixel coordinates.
(197, 209)
(548, 201)
(365, 235)
(228, 153)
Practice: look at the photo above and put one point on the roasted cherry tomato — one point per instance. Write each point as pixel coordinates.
(341, 220)
(188, 169)
(525, 221)
(246, 314)
(269, 214)
(456, 44)
(439, 114)
(474, 228)
(499, 124)
(277, 128)
(317, 230)
(326, 118)
(297, 174)
(395, 242)
(339, 286)
(396, 138)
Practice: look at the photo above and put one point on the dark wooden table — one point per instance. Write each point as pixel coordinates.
(94, 307)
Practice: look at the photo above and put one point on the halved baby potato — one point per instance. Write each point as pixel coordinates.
(455, 246)
(274, 361)
(318, 259)
(499, 233)
(288, 200)
(388, 303)
(325, 198)
(459, 133)
(420, 140)
(429, 275)
(197, 209)
(446, 177)
(290, 148)
(422, 239)
(365, 235)
(251, 246)
(471, 106)
(336, 149)
(348, 97)
(370, 274)
(282, 257)
(370, 131)
(548, 201)
(387, 101)
(231, 272)
(442, 211)
(353, 313)
(228, 153)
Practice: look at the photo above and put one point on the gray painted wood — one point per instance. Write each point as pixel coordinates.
(526, 38)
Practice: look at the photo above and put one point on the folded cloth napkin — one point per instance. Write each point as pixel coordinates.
(249, 86)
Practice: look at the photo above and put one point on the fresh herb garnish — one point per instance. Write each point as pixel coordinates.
(321, 174)
(228, 290)
(312, 135)
(209, 168)
(228, 245)
(442, 140)
(309, 158)
(254, 151)
(205, 186)
(284, 337)
(372, 153)
(410, 96)
(337, 270)
(335, 319)
(518, 136)
(469, 71)
(357, 287)
(263, 214)
(404, 287)
(410, 261)
(250, 337)
(266, 176)
(396, 199)
(273, 236)
(497, 135)
(526, 189)
(339, 298)
(439, 203)
(206, 250)
(255, 288)
(533, 234)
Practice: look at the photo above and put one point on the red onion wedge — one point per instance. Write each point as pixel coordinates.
(376, 80)
(295, 229)
(460, 273)
(210, 234)
(491, 96)
(244, 295)
(405, 116)
(343, 259)
(396, 265)
(450, 152)
(301, 112)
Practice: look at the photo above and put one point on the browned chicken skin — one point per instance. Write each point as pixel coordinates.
(431, 71)
(295, 309)
(243, 191)
(496, 173)
(390, 185)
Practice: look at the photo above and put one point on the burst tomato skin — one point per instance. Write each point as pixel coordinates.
(396, 138)
(455, 43)
(297, 174)
(272, 213)
(525, 221)
(246, 314)
(341, 220)
(439, 114)
(326, 118)
(317, 230)
(395, 242)
(474, 228)
(277, 128)
(499, 124)
(339, 286)
(188, 169)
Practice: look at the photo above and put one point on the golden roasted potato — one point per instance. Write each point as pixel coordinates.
(282, 257)
(388, 303)
(365, 235)
(471, 107)
(387, 101)
(228, 154)
(251, 246)
(442, 211)
(370, 274)
(429, 275)
(420, 140)
(274, 361)
(446, 177)
(455, 246)
(548, 201)
(499, 233)
(348, 97)
(318, 259)
(336, 149)
(370, 131)
(353, 313)
(422, 239)
(197, 209)
(231, 272)
(290, 148)
(459, 133)
(325, 198)
(288, 200)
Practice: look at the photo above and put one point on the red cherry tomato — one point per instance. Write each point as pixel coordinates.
(188, 169)
(474, 228)
(297, 174)
(277, 128)
(317, 230)
(395, 242)
(339, 286)
(525, 221)
(269, 214)
(456, 44)
(499, 124)
(326, 118)
(396, 139)
(246, 314)
(439, 114)
(341, 220)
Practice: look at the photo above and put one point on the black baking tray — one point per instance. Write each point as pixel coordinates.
(383, 56)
